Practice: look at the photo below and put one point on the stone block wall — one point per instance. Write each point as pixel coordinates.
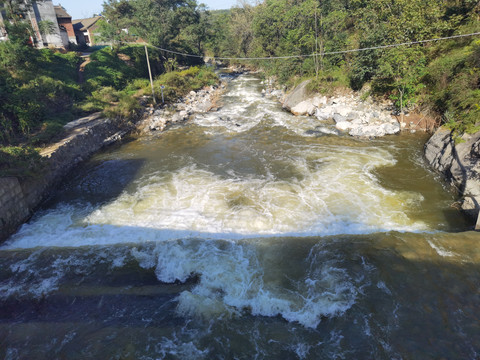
(13, 206)
(19, 198)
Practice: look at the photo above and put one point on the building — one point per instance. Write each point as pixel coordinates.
(86, 30)
(44, 12)
(65, 24)
(55, 19)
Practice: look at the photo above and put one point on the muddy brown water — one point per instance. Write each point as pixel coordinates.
(246, 233)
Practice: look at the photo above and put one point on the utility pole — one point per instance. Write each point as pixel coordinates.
(150, 74)
(316, 43)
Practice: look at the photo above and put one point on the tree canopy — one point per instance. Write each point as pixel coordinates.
(174, 24)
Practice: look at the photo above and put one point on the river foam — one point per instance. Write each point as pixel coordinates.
(333, 193)
(257, 188)
(233, 279)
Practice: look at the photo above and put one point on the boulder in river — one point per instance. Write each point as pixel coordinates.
(459, 162)
(304, 108)
(298, 95)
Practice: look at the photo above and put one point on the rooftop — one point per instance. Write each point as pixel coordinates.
(84, 24)
(61, 12)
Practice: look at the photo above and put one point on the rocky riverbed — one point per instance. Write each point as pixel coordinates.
(195, 102)
(458, 161)
(351, 114)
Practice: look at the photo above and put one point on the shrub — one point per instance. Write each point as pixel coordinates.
(453, 83)
(20, 161)
(116, 69)
(127, 108)
(179, 83)
(329, 80)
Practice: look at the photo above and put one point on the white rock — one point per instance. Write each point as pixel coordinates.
(339, 118)
(343, 125)
(277, 93)
(322, 115)
(367, 131)
(390, 128)
(304, 108)
(319, 101)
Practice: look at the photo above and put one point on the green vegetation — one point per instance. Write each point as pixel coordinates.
(179, 83)
(37, 88)
(441, 76)
(180, 25)
(453, 80)
(42, 90)
(20, 161)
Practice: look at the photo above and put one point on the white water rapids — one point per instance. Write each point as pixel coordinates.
(244, 233)
(329, 189)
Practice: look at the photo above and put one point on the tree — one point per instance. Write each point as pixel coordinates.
(117, 14)
(197, 33)
(16, 10)
(400, 74)
(241, 25)
(157, 21)
(385, 22)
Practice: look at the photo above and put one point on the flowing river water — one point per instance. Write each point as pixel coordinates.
(247, 233)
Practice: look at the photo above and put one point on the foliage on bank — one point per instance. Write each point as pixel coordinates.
(442, 76)
(179, 83)
(21, 162)
(41, 90)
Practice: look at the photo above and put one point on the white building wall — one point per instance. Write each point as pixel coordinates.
(44, 11)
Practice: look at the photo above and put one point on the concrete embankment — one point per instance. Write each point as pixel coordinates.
(20, 197)
(459, 162)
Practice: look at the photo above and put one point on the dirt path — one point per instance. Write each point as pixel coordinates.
(81, 69)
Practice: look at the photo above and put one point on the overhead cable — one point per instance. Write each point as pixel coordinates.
(322, 53)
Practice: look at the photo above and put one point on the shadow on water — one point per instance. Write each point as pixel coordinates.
(97, 181)
(417, 297)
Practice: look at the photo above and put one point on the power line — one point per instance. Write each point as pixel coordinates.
(322, 53)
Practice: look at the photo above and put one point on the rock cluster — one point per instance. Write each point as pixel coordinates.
(195, 102)
(350, 113)
(356, 117)
(459, 162)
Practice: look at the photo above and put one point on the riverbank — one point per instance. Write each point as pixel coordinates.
(195, 102)
(458, 160)
(351, 112)
(20, 197)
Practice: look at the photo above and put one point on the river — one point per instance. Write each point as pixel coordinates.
(246, 233)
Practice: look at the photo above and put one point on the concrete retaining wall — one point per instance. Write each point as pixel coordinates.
(12, 204)
(19, 198)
